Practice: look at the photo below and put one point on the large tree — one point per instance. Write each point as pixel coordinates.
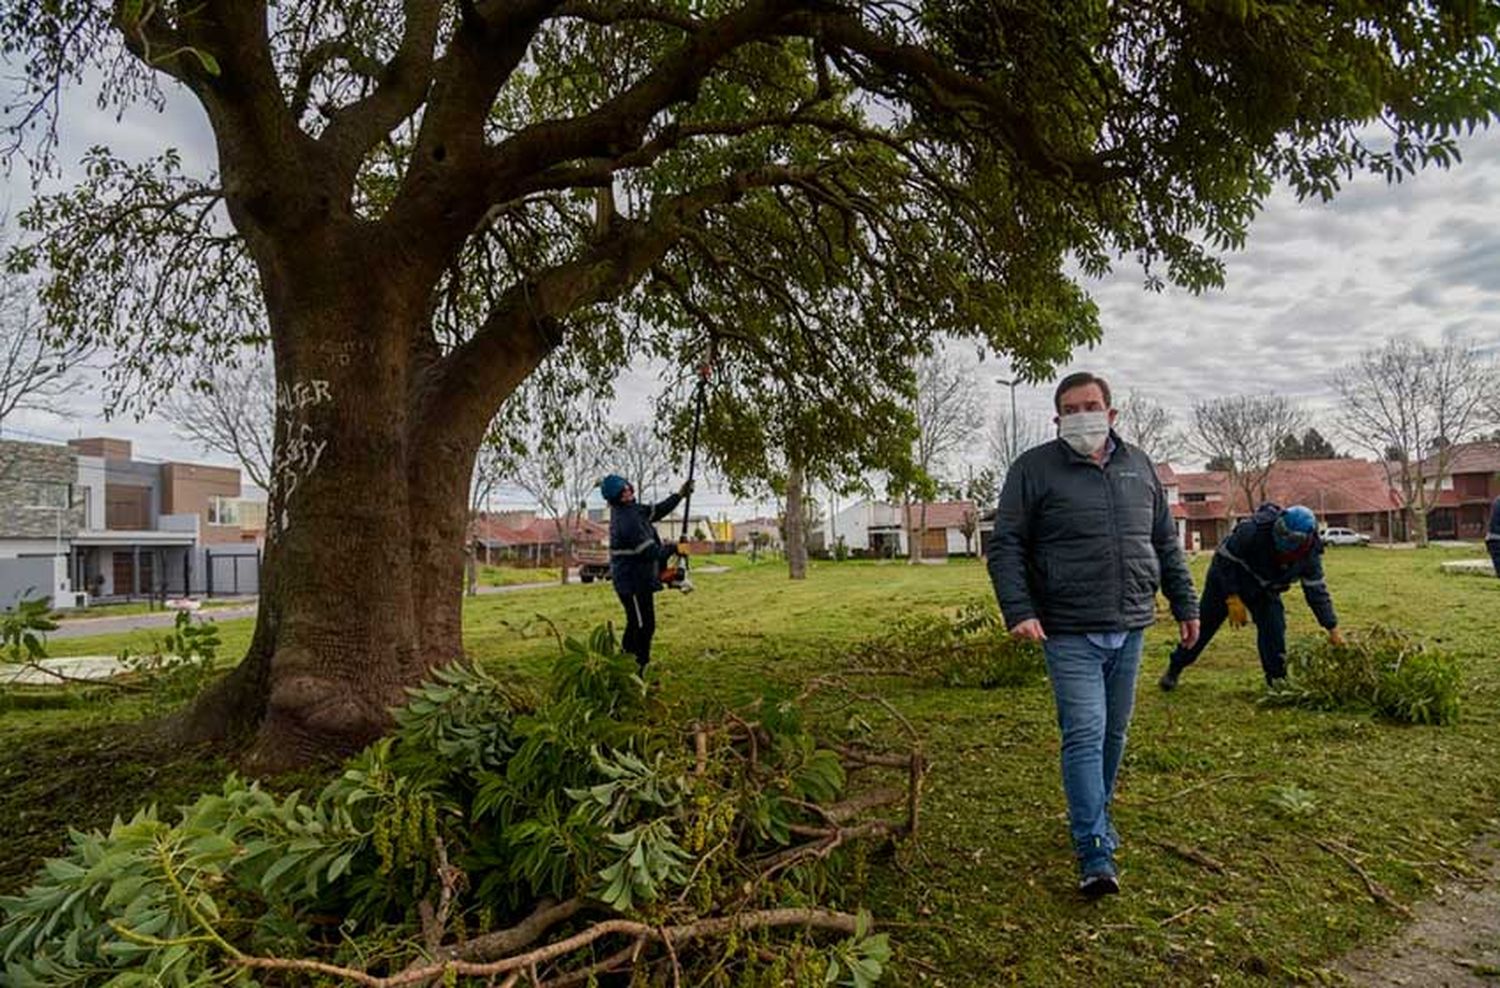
(422, 200)
(1414, 403)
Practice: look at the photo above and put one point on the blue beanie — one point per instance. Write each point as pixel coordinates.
(612, 487)
(1294, 527)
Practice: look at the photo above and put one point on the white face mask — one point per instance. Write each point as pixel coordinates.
(1084, 431)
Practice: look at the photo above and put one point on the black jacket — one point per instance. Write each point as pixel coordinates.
(1494, 535)
(1246, 564)
(635, 550)
(1084, 548)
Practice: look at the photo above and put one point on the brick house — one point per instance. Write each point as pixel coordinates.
(1344, 493)
(520, 538)
(1463, 503)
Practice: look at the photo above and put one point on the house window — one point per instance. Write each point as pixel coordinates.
(223, 511)
(49, 494)
(1194, 498)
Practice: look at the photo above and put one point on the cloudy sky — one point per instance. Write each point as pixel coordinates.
(1316, 284)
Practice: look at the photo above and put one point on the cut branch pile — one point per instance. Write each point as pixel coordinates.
(505, 837)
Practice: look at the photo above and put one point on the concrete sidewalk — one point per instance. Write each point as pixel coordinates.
(90, 667)
(85, 627)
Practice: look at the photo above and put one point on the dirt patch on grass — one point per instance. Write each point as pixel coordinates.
(1454, 942)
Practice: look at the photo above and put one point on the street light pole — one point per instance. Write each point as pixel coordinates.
(1014, 425)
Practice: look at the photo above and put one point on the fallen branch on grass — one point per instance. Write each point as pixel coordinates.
(1189, 853)
(1206, 783)
(669, 936)
(1377, 891)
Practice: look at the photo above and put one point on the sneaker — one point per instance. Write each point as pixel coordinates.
(1168, 680)
(1100, 880)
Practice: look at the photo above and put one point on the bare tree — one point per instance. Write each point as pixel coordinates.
(643, 458)
(558, 473)
(1241, 434)
(1411, 405)
(1008, 438)
(947, 416)
(1148, 424)
(489, 469)
(231, 409)
(36, 372)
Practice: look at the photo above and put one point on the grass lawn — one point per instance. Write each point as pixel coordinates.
(987, 897)
(510, 576)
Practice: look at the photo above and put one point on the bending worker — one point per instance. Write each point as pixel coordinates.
(636, 556)
(1250, 571)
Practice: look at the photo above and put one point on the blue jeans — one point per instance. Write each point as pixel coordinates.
(1265, 610)
(1094, 687)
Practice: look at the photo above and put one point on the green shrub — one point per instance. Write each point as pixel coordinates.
(970, 648)
(1381, 670)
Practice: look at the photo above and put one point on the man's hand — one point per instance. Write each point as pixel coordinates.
(1336, 637)
(1238, 617)
(681, 548)
(1187, 632)
(686, 488)
(1030, 629)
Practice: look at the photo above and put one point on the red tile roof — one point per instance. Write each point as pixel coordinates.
(1326, 486)
(1203, 510)
(538, 531)
(1210, 482)
(1470, 458)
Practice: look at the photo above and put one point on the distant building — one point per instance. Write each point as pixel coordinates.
(85, 520)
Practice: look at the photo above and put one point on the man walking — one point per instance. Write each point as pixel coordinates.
(1083, 538)
(1259, 561)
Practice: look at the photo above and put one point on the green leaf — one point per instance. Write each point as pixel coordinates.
(209, 63)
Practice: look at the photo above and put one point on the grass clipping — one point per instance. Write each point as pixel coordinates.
(1383, 670)
(968, 648)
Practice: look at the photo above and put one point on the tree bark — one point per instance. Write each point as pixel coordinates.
(361, 590)
(796, 522)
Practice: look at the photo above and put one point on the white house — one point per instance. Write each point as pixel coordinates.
(876, 528)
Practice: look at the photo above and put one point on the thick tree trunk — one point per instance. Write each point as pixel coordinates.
(361, 584)
(796, 523)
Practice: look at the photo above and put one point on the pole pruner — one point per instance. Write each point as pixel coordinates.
(675, 573)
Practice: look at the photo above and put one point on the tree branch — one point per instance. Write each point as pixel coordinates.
(402, 86)
(954, 91)
(822, 919)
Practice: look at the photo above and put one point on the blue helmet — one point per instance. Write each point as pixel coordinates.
(612, 487)
(1294, 527)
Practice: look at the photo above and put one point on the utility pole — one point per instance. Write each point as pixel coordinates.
(1014, 425)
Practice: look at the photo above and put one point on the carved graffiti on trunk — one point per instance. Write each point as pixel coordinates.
(301, 450)
(297, 395)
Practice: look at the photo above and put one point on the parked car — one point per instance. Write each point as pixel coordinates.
(1344, 536)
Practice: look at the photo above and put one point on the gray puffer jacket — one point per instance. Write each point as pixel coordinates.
(1084, 548)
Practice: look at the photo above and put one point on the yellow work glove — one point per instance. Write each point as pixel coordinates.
(1238, 617)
